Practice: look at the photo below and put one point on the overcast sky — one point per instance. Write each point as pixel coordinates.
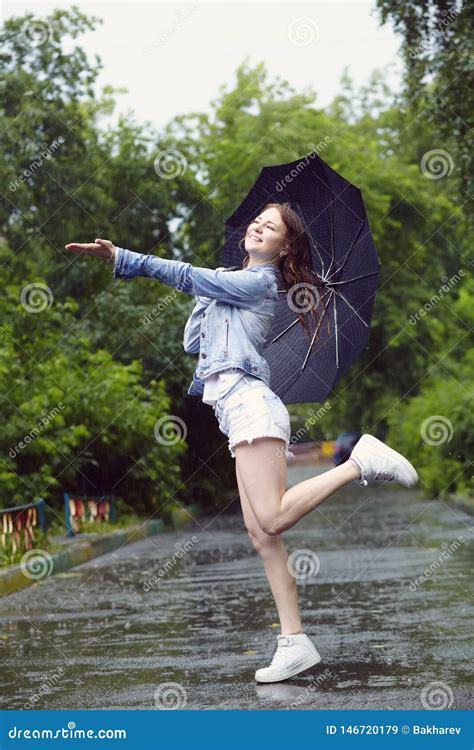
(172, 57)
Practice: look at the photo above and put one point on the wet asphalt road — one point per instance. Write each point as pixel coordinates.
(94, 638)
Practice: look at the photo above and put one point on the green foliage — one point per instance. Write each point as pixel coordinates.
(72, 414)
(111, 352)
(435, 427)
(439, 83)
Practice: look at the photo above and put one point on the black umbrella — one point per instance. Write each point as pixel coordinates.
(345, 266)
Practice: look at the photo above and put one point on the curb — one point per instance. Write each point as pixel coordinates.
(78, 551)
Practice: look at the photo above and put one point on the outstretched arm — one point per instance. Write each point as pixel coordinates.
(240, 288)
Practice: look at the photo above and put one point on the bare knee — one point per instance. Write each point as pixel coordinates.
(271, 525)
(262, 542)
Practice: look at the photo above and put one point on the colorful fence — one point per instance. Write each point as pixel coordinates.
(80, 508)
(18, 525)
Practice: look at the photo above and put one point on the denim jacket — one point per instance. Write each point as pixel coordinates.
(231, 317)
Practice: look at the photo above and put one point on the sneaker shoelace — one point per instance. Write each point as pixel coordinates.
(388, 475)
(381, 474)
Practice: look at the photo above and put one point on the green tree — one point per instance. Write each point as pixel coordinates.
(437, 50)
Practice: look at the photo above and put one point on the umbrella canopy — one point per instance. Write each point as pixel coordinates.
(345, 267)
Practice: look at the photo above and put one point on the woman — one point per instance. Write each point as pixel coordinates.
(227, 328)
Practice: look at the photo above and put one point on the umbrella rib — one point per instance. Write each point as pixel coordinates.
(335, 328)
(341, 267)
(312, 238)
(284, 331)
(336, 291)
(355, 278)
(315, 334)
(297, 320)
(332, 240)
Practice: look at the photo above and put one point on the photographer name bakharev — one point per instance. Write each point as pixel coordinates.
(432, 729)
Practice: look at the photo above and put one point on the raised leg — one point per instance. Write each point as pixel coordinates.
(262, 470)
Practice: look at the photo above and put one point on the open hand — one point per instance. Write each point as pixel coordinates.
(100, 248)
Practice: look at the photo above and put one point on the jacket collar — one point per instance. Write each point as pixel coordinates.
(264, 265)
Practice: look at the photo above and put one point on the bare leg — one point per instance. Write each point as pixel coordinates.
(262, 467)
(274, 556)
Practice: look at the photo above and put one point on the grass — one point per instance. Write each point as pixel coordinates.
(44, 540)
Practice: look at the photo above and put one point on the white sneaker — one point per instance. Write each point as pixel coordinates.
(377, 461)
(294, 654)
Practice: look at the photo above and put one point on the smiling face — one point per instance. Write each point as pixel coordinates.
(265, 238)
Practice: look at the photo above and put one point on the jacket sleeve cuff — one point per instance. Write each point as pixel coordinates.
(117, 263)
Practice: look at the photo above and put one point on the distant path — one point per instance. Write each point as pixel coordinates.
(382, 643)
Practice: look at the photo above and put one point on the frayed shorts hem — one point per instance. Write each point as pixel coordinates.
(288, 453)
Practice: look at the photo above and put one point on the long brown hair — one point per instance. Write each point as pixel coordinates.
(303, 288)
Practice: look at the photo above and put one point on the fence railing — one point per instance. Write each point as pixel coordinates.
(18, 525)
(81, 508)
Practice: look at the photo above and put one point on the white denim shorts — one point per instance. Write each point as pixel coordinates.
(253, 411)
